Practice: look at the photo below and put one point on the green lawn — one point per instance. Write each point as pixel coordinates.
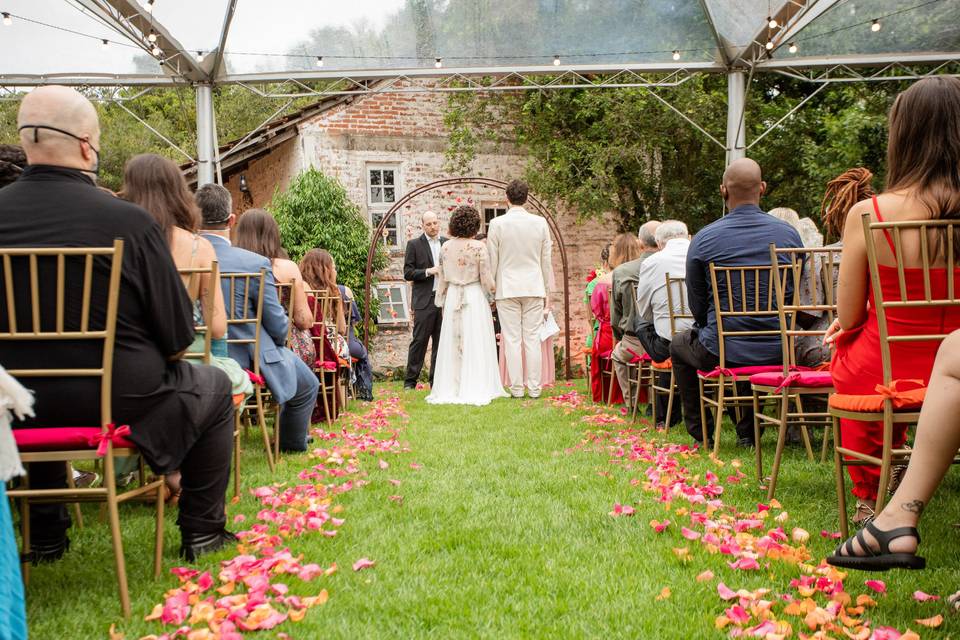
(502, 532)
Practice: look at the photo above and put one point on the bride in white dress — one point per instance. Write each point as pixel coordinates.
(468, 371)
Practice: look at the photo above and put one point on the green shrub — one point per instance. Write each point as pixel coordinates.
(315, 212)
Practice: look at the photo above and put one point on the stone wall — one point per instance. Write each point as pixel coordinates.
(406, 130)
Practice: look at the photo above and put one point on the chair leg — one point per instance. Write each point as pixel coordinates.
(276, 434)
(262, 420)
(781, 443)
(885, 466)
(613, 380)
(670, 396)
(841, 483)
(756, 435)
(326, 400)
(158, 542)
(113, 514)
(823, 447)
(77, 513)
(25, 535)
(236, 455)
(703, 415)
(718, 417)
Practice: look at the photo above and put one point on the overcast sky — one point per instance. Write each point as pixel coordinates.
(272, 26)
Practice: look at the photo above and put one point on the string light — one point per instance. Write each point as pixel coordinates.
(149, 7)
(104, 44)
(153, 36)
(769, 45)
(793, 47)
(438, 63)
(875, 26)
(156, 50)
(556, 61)
(319, 61)
(772, 22)
(676, 54)
(7, 20)
(200, 56)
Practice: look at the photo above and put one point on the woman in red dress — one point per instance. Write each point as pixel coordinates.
(625, 248)
(923, 183)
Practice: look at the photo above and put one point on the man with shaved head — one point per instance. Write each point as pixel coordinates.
(180, 415)
(740, 238)
(420, 267)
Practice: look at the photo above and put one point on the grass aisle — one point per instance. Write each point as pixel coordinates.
(501, 529)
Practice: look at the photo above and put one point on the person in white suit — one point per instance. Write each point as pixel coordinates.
(519, 246)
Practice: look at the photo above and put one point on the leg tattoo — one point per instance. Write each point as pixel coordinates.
(914, 506)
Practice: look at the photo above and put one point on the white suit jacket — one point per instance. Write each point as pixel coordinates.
(519, 246)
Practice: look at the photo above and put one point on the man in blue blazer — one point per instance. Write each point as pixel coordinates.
(290, 381)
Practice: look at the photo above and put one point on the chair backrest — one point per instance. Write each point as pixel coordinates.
(194, 282)
(746, 293)
(815, 271)
(936, 289)
(239, 311)
(677, 293)
(23, 265)
(285, 294)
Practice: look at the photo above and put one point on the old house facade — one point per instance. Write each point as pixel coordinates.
(380, 146)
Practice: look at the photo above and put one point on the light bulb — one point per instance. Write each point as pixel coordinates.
(104, 44)
(149, 7)
(156, 50)
(875, 26)
(769, 45)
(676, 55)
(7, 20)
(319, 61)
(793, 48)
(438, 63)
(772, 22)
(153, 36)
(200, 56)
(556, 61)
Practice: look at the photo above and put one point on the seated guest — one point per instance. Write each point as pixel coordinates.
(258, 232)
(923, 153)
(742, 237)
(320, 273)
(623, 305)
(625, 248)
(180, 415)
(156, 184)
(12, 162)
(653, 308)
(289, 379)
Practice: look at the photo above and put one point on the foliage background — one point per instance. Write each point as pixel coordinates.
(315, 211)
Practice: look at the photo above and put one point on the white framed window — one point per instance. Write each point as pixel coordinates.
(383, 187)
(491, 211)
(393, 303)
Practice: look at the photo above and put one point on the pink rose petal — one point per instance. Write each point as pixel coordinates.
(920, 596)
(363, 563)
(725, 592)
(877, 585)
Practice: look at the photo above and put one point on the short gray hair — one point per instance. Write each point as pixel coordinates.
(670, 229)
(215, 204)
(647, 237)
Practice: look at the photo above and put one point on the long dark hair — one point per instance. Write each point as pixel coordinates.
(923, 151)
(257, 231)
(156, 184)
(317, 268)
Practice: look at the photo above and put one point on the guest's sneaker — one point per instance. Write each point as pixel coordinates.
(195, 545)
(85, 479)
(43, 551)
(746, 443)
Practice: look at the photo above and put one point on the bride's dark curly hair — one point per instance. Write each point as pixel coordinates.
(465, 222)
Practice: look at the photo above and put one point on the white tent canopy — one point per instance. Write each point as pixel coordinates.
(470, 44)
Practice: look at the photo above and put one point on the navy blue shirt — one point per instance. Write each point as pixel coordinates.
(740, 238)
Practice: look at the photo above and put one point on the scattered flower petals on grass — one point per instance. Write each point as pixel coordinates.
(622, 510)
(665, 593)
(920, 596)
(876, 585)
(706, 576)
(933, 622)
(363, 563)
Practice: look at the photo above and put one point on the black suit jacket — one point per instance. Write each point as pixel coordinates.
(416, 261)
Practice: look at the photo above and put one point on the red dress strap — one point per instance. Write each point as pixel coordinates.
(886, 232)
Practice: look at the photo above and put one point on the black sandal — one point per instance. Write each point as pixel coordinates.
(877, 560)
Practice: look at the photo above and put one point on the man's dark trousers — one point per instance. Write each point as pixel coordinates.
(689, 355)
(426, 328)
(658, 348)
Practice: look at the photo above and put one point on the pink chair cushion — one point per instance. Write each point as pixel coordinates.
(741, 372)
(796, 379)
(63, 439)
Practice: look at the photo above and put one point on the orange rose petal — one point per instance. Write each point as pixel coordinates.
(116, 635)
(933, 622)
(664, 594)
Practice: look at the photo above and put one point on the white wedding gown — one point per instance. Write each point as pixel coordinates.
(468, 371)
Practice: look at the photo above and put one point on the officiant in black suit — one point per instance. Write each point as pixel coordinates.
(420, 267)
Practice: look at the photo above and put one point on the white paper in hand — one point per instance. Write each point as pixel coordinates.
(549, 328)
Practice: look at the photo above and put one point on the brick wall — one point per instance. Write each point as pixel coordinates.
(406, 130)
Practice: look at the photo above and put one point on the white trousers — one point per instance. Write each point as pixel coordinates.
(520, 322)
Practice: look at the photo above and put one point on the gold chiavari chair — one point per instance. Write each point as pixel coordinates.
(238, 314)
(898, 403)
(676, 296)
(754, 299)
(322, 305)
(812, 269)
(69, 444)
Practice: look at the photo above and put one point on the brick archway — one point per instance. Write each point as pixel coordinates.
(486, 182)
